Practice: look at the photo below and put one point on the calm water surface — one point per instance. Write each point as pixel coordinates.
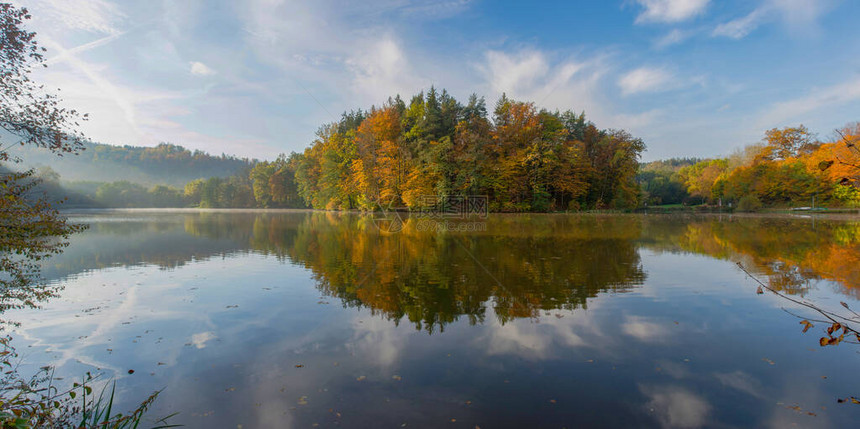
(291, 319)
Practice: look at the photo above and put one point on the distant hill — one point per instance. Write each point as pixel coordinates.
(165, 164)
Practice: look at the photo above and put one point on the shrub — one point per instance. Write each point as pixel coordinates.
(749, 203)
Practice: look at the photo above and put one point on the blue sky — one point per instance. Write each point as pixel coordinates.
(256, 78)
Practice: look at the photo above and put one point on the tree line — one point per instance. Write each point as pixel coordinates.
(166, 163)
(788, 167)
(523, 160)
(397, 155)
(521, 157)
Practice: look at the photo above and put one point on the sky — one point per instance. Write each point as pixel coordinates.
(257, 78)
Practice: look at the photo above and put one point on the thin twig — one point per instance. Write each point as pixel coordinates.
(828, 314)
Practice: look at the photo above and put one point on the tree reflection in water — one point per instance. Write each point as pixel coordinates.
(519, 265)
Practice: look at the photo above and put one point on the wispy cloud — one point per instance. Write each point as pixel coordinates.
(800, 16)
(740, 27)
(673, 37)
(533, 75)
(832, 96)
(382, 68)
(644, 79)
(97, 16)
(668, 11)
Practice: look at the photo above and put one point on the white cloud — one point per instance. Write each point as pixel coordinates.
(531, 75)
(515, 73)
(644, 79)
(200, 69)
(831, 96)
(800, 16)
(799, 13)
(637, 120)
(740, 27)
(741, 381)
(200, 339)
(673, 37)
(381, 68)
(670, 10)
(677, 407)
(644, 330)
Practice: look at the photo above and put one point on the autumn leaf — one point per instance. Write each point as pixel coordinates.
(806, 325)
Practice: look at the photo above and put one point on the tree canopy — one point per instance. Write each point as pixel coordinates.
(29, 115)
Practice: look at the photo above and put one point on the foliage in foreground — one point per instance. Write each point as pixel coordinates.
(36, 402)
(33, 229)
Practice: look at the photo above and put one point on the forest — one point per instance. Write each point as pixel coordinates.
(164, 164)
(788, 167)
(524, 159)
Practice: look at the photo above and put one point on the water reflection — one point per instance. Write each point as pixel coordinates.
(537, 321)
(525, 263)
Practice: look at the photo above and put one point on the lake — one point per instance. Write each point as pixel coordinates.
(296, 319)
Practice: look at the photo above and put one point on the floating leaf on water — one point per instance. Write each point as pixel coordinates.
(759, 290)
(303, 400)
(823, 341)
(361, 378)
(131, 371)
(229, 389)
(844, 305)
(806, 325)
(299, 365)
(552, 401)
(768, 361)
(396, 377)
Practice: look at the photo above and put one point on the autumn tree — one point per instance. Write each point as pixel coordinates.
(523, 159)
(701, 178)
(28, 116)
(789, 142)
